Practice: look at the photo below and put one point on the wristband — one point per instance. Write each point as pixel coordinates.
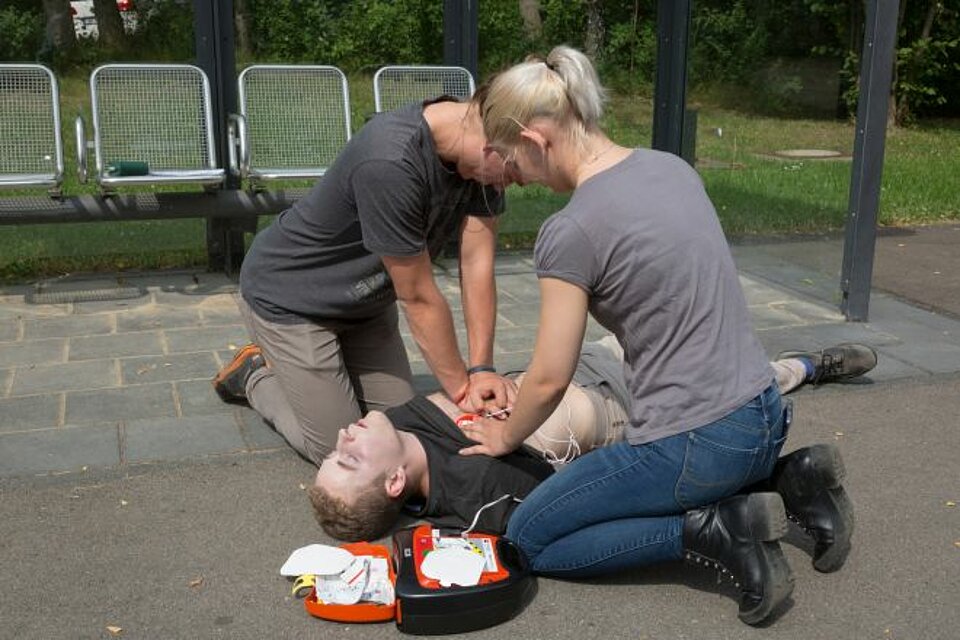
(481, 368)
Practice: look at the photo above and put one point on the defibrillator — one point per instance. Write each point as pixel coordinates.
(431, 581)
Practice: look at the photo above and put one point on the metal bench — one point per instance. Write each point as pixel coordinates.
(31, 150)
(395, 86)
(293, 121)
(152, 124)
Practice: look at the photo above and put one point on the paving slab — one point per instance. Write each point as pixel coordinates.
(60, 449)
(67, 326)
(170, 367)
(30, 412)
(127, 403)
(206, 338)
(149, 439)
(26, 352)
(118, 345)
(67, 376)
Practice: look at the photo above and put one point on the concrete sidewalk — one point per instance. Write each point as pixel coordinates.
(131, 496)
(107, 383)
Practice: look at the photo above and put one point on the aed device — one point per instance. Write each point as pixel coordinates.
(425, 607)
(422, 605)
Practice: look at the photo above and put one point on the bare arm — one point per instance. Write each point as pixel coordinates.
(478, 241)
(431, 323)
(563, 321)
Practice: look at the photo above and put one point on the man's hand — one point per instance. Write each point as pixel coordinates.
(494, 436)
(488, 391)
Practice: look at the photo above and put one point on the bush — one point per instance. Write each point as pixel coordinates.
(21, 34)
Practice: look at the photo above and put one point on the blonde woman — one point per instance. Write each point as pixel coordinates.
(640, 248)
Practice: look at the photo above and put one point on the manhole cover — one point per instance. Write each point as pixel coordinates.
(85, 295)
(807, 153)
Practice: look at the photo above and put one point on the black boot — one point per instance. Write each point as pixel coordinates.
(809, 482)
(738, 536)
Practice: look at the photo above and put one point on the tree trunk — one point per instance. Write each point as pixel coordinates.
(532, 22)
(898, 106)
(59, 30)
(241, 26)
(109, 24)
(593, 39)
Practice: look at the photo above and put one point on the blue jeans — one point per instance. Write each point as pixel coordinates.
(622, 506)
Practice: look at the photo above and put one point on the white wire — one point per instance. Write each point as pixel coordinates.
(476, 516)
(573, 447)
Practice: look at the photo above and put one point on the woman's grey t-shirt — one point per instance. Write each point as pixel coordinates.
(387, 194)
(643, 240)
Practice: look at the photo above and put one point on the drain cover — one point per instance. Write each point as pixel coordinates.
(807, 153)
(85, 295)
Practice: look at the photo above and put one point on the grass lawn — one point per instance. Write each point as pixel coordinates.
(755, 192)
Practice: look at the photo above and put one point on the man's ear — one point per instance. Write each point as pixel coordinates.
(396, 482)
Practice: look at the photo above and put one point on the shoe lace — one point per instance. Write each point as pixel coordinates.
(829, 365)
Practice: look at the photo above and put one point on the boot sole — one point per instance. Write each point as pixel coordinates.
(835, 555)
(768, 523)
(229, 370)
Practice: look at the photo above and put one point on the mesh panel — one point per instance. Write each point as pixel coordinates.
(152, 114)
(398, 86)
(296, 117)
(28, 135)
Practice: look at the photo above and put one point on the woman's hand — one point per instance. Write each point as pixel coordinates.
(493, 437)
(563, 320)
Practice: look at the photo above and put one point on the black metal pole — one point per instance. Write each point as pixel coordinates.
(213, 38)
(460, 29)
(670, 92)
(876, 71)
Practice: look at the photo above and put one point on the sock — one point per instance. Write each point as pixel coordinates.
(808, 365)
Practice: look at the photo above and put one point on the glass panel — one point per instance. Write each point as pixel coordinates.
(769, 85)
(139, 31)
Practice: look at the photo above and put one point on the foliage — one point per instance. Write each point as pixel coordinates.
(22, 34)
(726, 43)
(737, 47)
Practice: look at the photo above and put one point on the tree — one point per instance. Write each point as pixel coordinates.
(241, 26)
(109, 23)
(532, 21)
(60, 34)
(593, 37)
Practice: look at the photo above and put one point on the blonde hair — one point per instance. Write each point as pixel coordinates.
(563, 87)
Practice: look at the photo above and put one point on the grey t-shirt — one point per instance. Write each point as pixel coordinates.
(387, 194)
(643, 240)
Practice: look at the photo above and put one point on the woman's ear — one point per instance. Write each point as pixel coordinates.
(396, 482)
(535, 137)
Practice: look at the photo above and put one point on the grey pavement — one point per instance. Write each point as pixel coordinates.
(131, 496)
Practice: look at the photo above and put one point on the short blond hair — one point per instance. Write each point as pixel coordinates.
(370, 516)
(564, 87)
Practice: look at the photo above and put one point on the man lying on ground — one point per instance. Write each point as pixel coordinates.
(407, 458)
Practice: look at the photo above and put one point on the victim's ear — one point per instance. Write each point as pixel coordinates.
(396, 482)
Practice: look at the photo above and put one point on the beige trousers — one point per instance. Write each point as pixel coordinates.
(321, 377)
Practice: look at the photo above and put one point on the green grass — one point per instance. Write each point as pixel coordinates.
(754, 192)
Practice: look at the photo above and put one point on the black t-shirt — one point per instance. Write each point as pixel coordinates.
(461, 487)
(387, 194)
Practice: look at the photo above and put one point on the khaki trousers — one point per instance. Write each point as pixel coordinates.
(321, 377)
